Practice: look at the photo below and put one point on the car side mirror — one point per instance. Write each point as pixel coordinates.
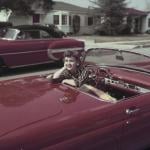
(119, 56)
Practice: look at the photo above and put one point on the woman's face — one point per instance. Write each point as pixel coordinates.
(70, 63)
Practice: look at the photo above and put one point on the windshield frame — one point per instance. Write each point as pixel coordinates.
(10, 34)
(119, 58)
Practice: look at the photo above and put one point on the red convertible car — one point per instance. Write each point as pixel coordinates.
(31, 45)
(38, 115)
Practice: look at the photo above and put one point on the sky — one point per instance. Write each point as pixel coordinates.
(138, 4)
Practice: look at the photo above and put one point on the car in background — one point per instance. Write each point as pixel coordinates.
(32, 45)
(37, 31)
(37, 114)
(5, 24)
(56, 30)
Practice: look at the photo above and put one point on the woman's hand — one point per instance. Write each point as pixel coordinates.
(101, 94)
(69, 82)
(49, 76)
(58, 73)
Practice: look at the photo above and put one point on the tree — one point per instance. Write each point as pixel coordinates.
(112, 12)
(147, 5)
(25, 6)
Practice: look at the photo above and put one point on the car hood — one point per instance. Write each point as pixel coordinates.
(26, 101)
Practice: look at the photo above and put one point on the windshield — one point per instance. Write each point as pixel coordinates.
(9, 33)
(134, 57)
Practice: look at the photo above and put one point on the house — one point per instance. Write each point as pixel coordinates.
(137, 19)
(63, 16)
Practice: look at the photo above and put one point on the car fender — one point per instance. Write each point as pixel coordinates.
(2, 63)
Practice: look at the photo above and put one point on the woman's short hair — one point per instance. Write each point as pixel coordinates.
(76, 54)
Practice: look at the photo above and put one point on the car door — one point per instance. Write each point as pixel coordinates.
(136, 129)
(25, 52)
(96, 132)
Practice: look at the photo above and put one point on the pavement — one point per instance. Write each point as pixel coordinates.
(124, 42)
(127, 43)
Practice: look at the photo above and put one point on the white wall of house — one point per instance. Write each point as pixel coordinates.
(46, 18)
(49, 19)
(20, 20)
(84, 27)
(146, 23)
(5, 14)
(67, 28)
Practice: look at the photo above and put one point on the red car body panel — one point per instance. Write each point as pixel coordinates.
(38, 102)
(142, 80)
(17, 53)
(34, 115)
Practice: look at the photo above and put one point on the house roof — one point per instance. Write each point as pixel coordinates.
(128, 11)
(135, 12)
(74, 8)
(69, 7)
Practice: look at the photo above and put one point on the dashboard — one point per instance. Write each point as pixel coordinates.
(124, 85)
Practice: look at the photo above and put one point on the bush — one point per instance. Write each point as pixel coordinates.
(124, 29)
(148, 31)
(102, 29)
(106, 29)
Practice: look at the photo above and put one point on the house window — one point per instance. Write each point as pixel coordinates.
(56, 19)
(90, 21)
(64, 19)
(149, 22)
(36, 18)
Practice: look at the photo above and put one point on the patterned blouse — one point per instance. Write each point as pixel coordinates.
(81, 77)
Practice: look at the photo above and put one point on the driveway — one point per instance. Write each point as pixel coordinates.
(102, 39)
(118, 42)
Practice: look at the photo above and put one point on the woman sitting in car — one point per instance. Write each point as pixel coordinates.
(76, 74)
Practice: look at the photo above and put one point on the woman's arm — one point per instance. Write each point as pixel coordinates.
(56, 74)
(69, 82)
(101, 94)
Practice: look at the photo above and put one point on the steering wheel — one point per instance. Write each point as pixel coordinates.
(99, 73)
(104, 72)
